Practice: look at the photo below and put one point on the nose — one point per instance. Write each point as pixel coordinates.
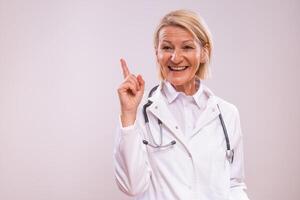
(176, 57)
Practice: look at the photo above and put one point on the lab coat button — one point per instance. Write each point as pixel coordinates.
(176, 127)
(155, 107)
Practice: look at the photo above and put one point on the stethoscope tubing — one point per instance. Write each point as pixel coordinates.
(229, 151)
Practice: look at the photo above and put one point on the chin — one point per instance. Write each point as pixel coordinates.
(178, 81)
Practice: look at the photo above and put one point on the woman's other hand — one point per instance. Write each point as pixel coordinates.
(130, 94)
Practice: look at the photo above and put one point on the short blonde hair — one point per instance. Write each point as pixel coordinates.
(193, 23)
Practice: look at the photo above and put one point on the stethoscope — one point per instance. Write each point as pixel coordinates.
(229, 151)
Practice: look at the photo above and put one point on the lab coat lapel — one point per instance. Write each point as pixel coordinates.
(160, 109)
(210, 113)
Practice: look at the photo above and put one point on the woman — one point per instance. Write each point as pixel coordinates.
(186, 150)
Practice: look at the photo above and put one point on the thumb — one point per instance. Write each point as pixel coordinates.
(141, 82)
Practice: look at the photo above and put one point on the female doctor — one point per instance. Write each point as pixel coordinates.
(180, 141)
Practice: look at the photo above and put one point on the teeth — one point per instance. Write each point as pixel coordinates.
(177, 68)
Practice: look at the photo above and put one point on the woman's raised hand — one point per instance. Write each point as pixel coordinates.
(130, 94)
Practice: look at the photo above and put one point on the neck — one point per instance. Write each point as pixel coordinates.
(188, 88)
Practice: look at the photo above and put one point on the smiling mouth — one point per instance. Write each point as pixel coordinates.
(178, 68)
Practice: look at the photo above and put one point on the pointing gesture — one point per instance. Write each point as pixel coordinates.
(125, 69)
(130, 94)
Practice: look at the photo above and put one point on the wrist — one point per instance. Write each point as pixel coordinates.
(128, 118)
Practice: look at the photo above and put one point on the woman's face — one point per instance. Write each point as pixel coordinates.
(179, 55)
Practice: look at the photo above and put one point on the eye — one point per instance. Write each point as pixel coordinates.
(166, 47)
(188, 47)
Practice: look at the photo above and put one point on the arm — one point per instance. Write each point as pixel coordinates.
(237, 185)
(132, 170)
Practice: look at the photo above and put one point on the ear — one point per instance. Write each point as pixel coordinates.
(204, 54)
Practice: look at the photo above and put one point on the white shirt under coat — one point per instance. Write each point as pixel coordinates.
(185, 108)
(196, 167)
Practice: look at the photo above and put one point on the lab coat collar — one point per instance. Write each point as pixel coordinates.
(169, 90)
(203, 89)
(171, 94)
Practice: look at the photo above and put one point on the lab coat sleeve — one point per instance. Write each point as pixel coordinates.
(132, 170)
(237, 185)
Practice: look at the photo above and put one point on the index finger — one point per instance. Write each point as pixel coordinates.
(125, 69)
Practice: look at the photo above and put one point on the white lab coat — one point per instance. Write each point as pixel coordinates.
(192, 169)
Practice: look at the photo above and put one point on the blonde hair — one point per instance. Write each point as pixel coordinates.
(193, 23)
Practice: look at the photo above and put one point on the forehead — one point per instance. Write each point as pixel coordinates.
(174, 33)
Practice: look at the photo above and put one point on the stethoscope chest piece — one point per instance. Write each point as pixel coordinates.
(230, 155)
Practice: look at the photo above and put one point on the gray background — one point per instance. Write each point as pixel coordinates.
(59, 70)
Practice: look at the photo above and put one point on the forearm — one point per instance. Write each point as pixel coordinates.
(237, 184)
(132, 170)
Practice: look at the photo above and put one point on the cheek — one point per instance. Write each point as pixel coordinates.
(162, 58)
(159, 58)
(196, 58)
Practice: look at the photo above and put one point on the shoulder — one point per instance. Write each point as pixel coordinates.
(227, 107)
(224, 106)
